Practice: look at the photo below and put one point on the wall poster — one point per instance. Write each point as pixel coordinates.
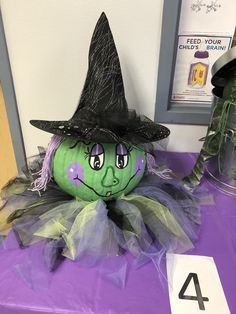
(206, 29)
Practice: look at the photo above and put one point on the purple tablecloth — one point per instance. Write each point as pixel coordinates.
(74, 289)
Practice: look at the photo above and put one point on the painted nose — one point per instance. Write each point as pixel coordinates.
(109, 178)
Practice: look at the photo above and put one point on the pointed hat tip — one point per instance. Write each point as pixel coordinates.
(102, 25)
(103, 17)
(103, 14)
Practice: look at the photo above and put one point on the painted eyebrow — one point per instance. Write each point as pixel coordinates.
(77, 142)
(74, 145)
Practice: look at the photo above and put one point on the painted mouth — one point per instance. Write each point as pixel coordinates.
(109, 193)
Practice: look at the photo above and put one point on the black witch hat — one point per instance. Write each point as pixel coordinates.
(102, 114)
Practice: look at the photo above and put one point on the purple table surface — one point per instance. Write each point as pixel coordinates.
(75, 289)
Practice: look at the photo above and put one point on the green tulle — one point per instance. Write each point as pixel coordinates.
(59, 223)
(15, 186)
(59, 219)
(151, 211)
(88, 231)
(75, 233)
(69, 222)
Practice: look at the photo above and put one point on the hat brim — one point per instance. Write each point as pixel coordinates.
(145, 132)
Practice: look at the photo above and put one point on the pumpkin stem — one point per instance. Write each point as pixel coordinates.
(45, 174)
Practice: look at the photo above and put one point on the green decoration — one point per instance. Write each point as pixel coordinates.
(97, 171)
(220, 141)
(84, 201)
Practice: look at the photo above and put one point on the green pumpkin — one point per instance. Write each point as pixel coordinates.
(97, 171)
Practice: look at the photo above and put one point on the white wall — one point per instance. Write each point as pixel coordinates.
(48, 43)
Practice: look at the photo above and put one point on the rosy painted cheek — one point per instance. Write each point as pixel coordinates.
(140, 162)
(75, 173)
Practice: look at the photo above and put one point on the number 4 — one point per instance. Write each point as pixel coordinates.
(198, 296)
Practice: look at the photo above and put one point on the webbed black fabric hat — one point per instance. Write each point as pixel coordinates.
(102, 114)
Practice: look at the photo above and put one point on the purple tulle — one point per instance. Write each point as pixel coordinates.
(109, 230)
(52, 253)
(173, 195)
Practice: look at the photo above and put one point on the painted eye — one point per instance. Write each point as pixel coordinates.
(122, 157)
(96, 159)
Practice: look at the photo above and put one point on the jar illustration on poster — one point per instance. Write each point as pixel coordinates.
(199, 69)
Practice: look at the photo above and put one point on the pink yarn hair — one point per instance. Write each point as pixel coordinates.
(45, 174)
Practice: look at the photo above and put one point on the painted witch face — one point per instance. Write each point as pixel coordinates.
(97, 171)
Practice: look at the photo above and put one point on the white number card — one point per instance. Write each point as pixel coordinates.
(194, 285)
